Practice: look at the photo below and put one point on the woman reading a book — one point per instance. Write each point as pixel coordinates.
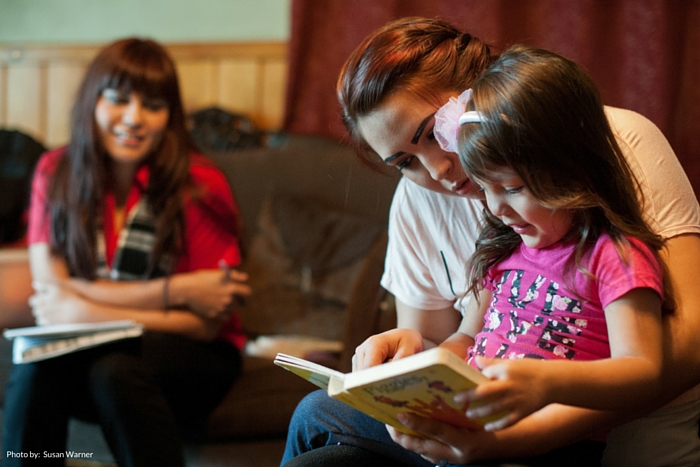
(389, 90)
(127, 222)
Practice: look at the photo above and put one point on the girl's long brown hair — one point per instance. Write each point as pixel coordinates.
(76, 192)
(545, 120)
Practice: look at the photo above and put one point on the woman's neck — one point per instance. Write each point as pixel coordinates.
(122, 179)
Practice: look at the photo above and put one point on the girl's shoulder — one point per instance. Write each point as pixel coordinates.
(634, 250)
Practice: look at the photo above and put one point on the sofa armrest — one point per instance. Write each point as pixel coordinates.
(15, 288)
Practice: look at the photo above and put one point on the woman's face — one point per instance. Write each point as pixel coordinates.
(130, 125)
(400, 131)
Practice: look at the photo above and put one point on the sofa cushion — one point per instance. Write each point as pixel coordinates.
(260, 403)
(301, 262)
(319, 238)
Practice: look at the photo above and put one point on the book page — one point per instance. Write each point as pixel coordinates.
(72, 329)
(310, 371)
(26, 349)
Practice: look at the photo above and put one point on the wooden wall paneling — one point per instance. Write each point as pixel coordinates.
(64, 79)
(239, 82)
(274, 86)
(38, 82)
(3, 94)
(26, 96)
(199, 83)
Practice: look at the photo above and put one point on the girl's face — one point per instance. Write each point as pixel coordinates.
(400, 131)
(510, 201)
(130, 126)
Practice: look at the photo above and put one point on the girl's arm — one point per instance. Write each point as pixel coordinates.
(472, 323)
(630, 379)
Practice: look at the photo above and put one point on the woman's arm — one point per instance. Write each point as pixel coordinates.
(208, 292)
(416, 330)
(681, 338)
(419, 330)
(54, 303)
(550, 428)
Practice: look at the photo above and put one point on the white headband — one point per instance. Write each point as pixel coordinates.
(450, 117)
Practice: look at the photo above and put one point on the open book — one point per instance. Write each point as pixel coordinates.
(36, 343)
(424, 383)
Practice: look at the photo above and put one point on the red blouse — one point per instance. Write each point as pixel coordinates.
(211, 221)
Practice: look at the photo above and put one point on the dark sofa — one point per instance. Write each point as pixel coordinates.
(315, 235)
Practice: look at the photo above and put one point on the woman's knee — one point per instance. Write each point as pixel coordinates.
(115, 374)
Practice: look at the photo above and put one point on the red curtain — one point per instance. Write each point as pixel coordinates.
(643, 54)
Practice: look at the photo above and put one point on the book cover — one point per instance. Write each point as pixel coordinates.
(37, 343)
(424, 384)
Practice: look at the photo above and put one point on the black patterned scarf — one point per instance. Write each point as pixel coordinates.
(134, 248)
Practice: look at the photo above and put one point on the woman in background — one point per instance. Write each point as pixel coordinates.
(389, 90)
(127, 222)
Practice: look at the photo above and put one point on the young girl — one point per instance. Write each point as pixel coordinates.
(565, 267)
(126, 222)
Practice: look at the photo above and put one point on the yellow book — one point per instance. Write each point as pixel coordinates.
(424, 384)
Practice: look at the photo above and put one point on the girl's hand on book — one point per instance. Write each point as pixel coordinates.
(517, 389)
(443, 442)
(390, 345)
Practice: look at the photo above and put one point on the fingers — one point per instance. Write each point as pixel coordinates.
(437, 442)
(485, 401)
(43, 287)
(412, 443)
(387, 346)
(38, 302)
(503, 422)
(404, 351)
(372, 352)
(236, 288)
(238, 276)
(231, 274)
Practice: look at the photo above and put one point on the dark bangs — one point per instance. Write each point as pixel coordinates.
(142, 66)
